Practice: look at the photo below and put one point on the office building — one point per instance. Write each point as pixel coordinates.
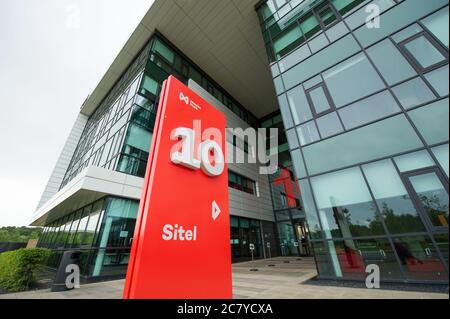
(361, 101)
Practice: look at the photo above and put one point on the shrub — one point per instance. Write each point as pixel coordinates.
(20, 268)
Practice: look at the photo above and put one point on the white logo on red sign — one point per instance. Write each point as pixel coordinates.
(189, 102)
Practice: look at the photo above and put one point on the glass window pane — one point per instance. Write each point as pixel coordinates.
(138, 137)
(391, 136)
(327, 16)
(287, 42)
(297, 159)
(319, 99)
(392, 198)
(78, 241)
(322, 60)
(390, 62)
(118, 223)
(432, 121)
(359, 17)
(419, 258)
(329, 125)
(344, 80)
(74, 229)
(150, 85)
(285, 112)
(337, 31)
(439, 80)
(407, 33)
(301, 111)
(441, 153)
(308, 133)
(275, 70)
(292, 139)
(345, 205)
(373, 108)
(295, 57)
(318, 43)
(164, 51)
(323, 263)
(413, 93)
(95, 217)
(442, 244)
(310, 210)
(344, 6)
(287, 239)
(354, 255)
(310, 26)
(279, 87)
(411, 162)
(438, 25)
(424, 52)
(313, 82)
(433, 197)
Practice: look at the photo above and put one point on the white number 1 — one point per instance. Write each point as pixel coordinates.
(187, 155)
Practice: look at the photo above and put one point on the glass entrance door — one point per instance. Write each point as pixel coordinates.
(421, 258)
(430, 192)
(302, 237)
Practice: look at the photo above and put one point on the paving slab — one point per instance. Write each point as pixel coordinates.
(288, 279)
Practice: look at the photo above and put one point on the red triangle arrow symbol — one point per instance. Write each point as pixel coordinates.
(215, 210)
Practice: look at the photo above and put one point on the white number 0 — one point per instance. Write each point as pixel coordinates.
(187, 157)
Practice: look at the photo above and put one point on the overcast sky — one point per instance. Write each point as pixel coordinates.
(52, 55)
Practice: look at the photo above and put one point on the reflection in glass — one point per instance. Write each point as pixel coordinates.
(437, 23)
(354, 255)
(344, 80)
(392, 198)
(424, 52)
(391, 136)
(419, 258)
(299, 105)
(390, 62)
(323, 264)
(308, 133)
(345, 205)
(439, 80)
(442, 244)
(116, 236)
(413, 161)
(329, 125)
(433, 196)
(432, 121)
(413, 93)
(288, 242)
(310, 210)
(368, 110)
(441, 153)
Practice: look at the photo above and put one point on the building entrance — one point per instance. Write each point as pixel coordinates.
(302, 238)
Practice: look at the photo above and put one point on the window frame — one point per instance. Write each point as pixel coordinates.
(412, 59)
(318, 11)
(415, 198)
(312, 106)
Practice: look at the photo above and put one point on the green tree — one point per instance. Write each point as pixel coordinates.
(19, 234)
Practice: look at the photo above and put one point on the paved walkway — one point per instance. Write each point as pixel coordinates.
(277, 278)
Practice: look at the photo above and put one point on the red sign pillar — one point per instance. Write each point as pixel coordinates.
(181, 246)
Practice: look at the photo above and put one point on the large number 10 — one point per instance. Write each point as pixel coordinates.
(187, 157)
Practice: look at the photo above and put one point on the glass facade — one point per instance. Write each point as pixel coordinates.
(103, 232)
(365, 113)
(292, 230)
(118, 134)
(117, 137)
(363, 144)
